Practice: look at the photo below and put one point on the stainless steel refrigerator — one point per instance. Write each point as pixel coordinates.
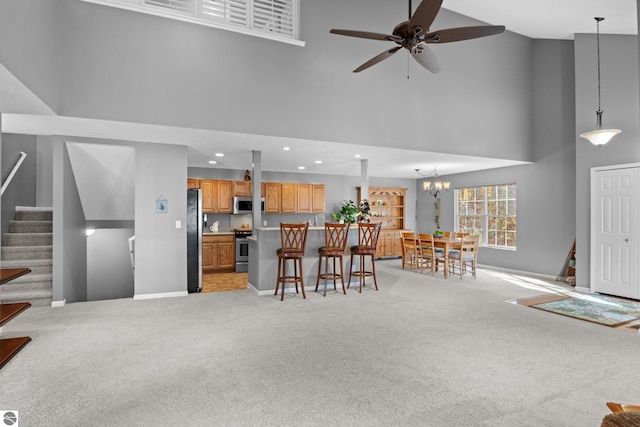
(194, 240)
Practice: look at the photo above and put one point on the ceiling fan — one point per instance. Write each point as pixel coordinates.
(414, 35)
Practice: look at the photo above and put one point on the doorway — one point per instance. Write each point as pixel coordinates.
(615, 230)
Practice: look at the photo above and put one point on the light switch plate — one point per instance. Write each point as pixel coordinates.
(178, 224)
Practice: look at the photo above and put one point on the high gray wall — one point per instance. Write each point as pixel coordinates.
(160, 247)
(620, 103)
(122, 65)
(30, 47)
(546, 188)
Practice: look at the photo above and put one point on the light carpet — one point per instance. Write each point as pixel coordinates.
(423, 351)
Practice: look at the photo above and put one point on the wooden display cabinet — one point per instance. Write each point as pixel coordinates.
(388, 206)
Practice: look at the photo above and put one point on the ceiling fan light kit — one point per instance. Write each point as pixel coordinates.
(415, 36)
(599, 136)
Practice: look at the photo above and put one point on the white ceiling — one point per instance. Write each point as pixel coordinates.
(547, 19)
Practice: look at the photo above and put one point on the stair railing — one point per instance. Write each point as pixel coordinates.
(13, 172)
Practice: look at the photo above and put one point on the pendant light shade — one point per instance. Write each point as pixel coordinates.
(599, 136)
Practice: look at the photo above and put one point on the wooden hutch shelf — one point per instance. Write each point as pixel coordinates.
(388, 206)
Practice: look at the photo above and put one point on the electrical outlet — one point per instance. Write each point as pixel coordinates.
(265, 222)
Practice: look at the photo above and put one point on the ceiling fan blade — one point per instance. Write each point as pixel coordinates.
(426, 57)
(425, 14)
(366, 35)
(463, 33)
(378, 58)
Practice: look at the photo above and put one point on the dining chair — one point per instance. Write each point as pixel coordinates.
(460, 234)
(410, 251)
(428, 256)
(463, 256)
(368, 234)
(293, 239)
(335, 242)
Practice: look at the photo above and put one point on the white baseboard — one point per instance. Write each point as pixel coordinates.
(59, 303)
(583, 290)
(162, 295)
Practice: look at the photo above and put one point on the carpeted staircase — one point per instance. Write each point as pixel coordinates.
(28, 244)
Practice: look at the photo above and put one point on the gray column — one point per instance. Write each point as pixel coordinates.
(257, 187)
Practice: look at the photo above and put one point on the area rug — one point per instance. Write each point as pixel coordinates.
(594, 308)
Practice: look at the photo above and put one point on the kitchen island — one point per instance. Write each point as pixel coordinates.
(263, 262)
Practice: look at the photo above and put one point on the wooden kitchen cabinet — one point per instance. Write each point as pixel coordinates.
(216, 196)
(288, 197)
(225, 198)
(218, 253)
(318, 197)
(271, 194)
(242, 188)
(304, 198)
(193, 183)
(208, 195)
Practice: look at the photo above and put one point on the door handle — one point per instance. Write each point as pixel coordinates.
(626, 240)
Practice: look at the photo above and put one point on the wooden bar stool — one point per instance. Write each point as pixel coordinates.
(335, 242)
(367, 244)
(293, 238)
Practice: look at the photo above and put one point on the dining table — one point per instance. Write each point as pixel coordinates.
(446, 243)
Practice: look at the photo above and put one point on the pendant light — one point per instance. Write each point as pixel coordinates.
(599, 136)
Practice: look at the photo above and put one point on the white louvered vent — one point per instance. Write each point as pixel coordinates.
(232, 11)
(274, 15)
(272, 19)
(180, 6)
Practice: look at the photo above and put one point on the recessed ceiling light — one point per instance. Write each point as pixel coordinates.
(212, 162)
(301, 167)
(357, 156)
(318, 162)
(219, 154)
(286, 148)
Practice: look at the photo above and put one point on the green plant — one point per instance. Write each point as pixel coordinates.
(347, 212)
(438, 233)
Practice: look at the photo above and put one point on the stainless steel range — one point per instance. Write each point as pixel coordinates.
(242, 249)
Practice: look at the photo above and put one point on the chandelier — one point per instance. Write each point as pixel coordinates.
(599, 136)
(434, 185)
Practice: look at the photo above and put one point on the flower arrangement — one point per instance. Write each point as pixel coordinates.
(365, 211)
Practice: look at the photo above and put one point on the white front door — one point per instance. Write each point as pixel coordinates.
(616, 195)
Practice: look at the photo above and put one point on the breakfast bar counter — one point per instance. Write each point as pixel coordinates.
(263, 262)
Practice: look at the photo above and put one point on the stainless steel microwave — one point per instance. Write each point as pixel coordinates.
(244, 205)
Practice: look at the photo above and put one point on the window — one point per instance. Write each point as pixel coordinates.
(273, 19)
(489, 212)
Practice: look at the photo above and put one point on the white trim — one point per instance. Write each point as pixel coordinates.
(583, 290)
(62, 303)
(218, 25)
(162, 295)
(34, 208)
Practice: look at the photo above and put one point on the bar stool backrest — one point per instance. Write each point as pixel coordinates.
(335, 237)
(293, 237)
(368, 235)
